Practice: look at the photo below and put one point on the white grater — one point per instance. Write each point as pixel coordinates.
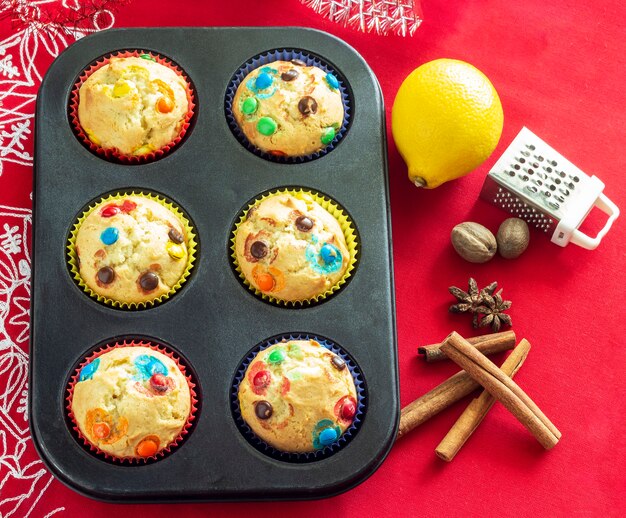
(534, 182)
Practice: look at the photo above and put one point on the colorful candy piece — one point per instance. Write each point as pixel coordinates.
(328, 135)
(148, 281)
(109, 235)
(101, 430)
(298, 62)
(261, 380)
(128, 206)
(307, 106)
(263, 81)
(249, 106)
(267, 126)
(147, 57)
(338, 362)
(276, 356)
(265, 282)
(294, 351)
(304, 224)
(148, 446)
(263, 409)
(258, 249)
(159, 383)
(87, 372)
(332, 81)
(329, 254)
(106, 275)
(109, 211)
(164, 105)
(325, 433)
(175, 236)
(348, 408)
(289, 75)
(175, 251)
(148, 365)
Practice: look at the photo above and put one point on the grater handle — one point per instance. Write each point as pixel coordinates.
(606, 206)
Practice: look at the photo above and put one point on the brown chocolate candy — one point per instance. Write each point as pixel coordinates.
(175, 236)
(263, 410)
(304, 224)
(298, 62)
(339, 363)
(106, 275)
(307, 105)
(258, 249)
(290, 75)
(148, 281)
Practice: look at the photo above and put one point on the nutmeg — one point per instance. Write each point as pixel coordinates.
(513, 237)
(473, 242)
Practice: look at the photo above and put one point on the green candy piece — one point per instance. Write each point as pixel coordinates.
(249, 106)
(328, 135)
(267, 126)
(276, 356)
(148, 57)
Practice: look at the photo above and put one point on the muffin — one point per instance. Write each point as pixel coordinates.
(298, 396)
(287, 108)
(131, 402)
(290, 248)
(133, 105)
(132, 249)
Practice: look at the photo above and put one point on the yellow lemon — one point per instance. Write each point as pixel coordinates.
(446, 120)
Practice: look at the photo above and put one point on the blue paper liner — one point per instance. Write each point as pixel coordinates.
(287, 55)
(327, 451)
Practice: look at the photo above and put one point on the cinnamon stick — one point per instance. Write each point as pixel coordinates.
(503, 388)
(487, 344)
(478, 408)
(442, 396)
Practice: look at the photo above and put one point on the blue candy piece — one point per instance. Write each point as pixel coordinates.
(87, 372)
(325, 433)
(332, 81)
(328, 254)
(263, 80)
(328, 436)
(148, 365)
(109, 235)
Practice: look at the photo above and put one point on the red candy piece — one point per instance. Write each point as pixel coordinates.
(159, 382)
(262, 379)
(109, 211)
(348, 409)
(128, 206)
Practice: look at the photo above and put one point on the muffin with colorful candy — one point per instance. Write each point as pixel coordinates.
(132, 106)
(131, 402)
(298, 396)
(290, 249)
(132, 250)
(287, 108)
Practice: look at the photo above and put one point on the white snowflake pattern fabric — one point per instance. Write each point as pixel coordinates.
(400, 17)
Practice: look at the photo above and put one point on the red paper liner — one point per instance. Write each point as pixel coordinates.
(133, 460)
(113, 154)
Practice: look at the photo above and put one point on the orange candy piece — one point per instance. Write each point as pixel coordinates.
(148, 446)
(101, 430)
(265, 282)
(164, 105)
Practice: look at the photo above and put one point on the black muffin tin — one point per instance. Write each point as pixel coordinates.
(213, 321)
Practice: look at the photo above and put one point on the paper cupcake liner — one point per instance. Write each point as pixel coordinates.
(73, 259)
(331, 206)
(113, 154)
(327, 451)
(286, 55)
(132, 460)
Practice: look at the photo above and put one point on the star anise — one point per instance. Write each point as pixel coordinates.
(472, 299)
(493, 311)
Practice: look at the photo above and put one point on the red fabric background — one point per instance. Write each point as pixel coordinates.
(559, 68)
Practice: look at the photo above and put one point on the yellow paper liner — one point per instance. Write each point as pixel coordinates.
(349, 232)
(73, 260)
(175, 442)
(111, 153)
